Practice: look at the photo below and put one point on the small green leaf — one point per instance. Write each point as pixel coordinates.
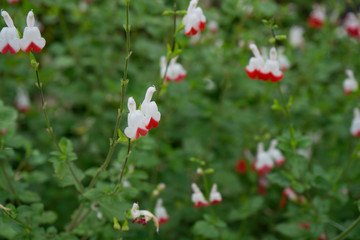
(281, 37)
(276, 106)
(168, 13)
(181, 12)
(125, 226)
(290, 102)
(122, 138)
(209, 171)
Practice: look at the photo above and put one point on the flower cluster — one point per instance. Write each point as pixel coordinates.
(264, 69)
(198, 197)
(350, 84)
(265, 160)
(147, 216)
(317, 17)
(174, 72)
(194, 20)
(355, 124)
(141, 121)
(10, 40)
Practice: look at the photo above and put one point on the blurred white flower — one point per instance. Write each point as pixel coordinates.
(198, 197)
(350, 84)
(355, 124)
(263, 162)
(215, 196)
(175, 71)
(147, 216)
(275, 153)
(160, 212)
(296, 37)
(317, 16)
(351, 24)
(22, 100)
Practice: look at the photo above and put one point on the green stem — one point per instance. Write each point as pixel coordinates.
(18, 221)
(348, 230)
(124, 83)
(12, 189)
(117, 188)
(76, 217)
(288, 117)
(51, 132)
(169, 57)
(80, 220)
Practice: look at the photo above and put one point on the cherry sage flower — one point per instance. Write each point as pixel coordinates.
(296, 37)
(22, 100)
(175, 71)
(351, 24)
(198, 197)
(241, 166)
(32, 39)
(12, 2)
(9, 36)
(215, 196)
(263, 162)
(317, 17)
(147, 216)
(263, 184)
(355, 124)
(350, 84)
(150, 110)
(256, 63)
(160, 212)
(275, 153)
(194, 20)
(288, 193)
(136, 121)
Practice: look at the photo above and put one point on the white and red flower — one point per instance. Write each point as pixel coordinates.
(194, 20)
(215, 196)
(263, 184)
(263, 162)
(147, 216)
(198, 197)
(351, 24)
(258, 68)
(174, 72)
(317, 17)
(296, 37)
(288, 193)
(32, 39)
(12, 2)
(160, 212)
(9, 36)
(136, 121)
(150, 110)
(355, 124)
(350, 84)
(275, 153)
(22, 100)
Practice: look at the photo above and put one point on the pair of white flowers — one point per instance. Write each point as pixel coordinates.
(264, 69)
(141, 121)
(265, 160)
(10, 40)
(198, 197)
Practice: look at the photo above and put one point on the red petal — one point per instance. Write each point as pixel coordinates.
(251, 74)
(33, 46)
(275, 78)
(202, 25)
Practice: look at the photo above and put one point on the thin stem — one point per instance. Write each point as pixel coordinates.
(80, 220)
(124, 83)
(288, 117)
(18, 221)
(76, 217)
(348, 230)
(170, 57)
(51, 132)
(118, 186)
(12, 189)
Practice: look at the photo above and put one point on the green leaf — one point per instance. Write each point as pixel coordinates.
(247, 209)
(272, 40)
(122, 138)
(125, 226)
(168, 13)
(205, 229)
(28, 196)
(291, 230)
(116, 224)
(281, 37)
(290, 102)
(279, 178)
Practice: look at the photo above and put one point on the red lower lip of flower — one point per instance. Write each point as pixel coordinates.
(192, 31)
(304, 225)
(8, 48)
(215, 202)
(163, 220)
(274, 78)
(315, 23)
(347, 91)
(33, 46)
(261, 190)
(141, 132)
(202, 25)
(23, 109)
(252, 74)
(201, 204)
(180, 77)
(264, 76)
(265, 169)
(357, 134)
(152, 123)
(241, 166)
(280, 162)
(167, 79)
(3, 132)
(353, 32)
